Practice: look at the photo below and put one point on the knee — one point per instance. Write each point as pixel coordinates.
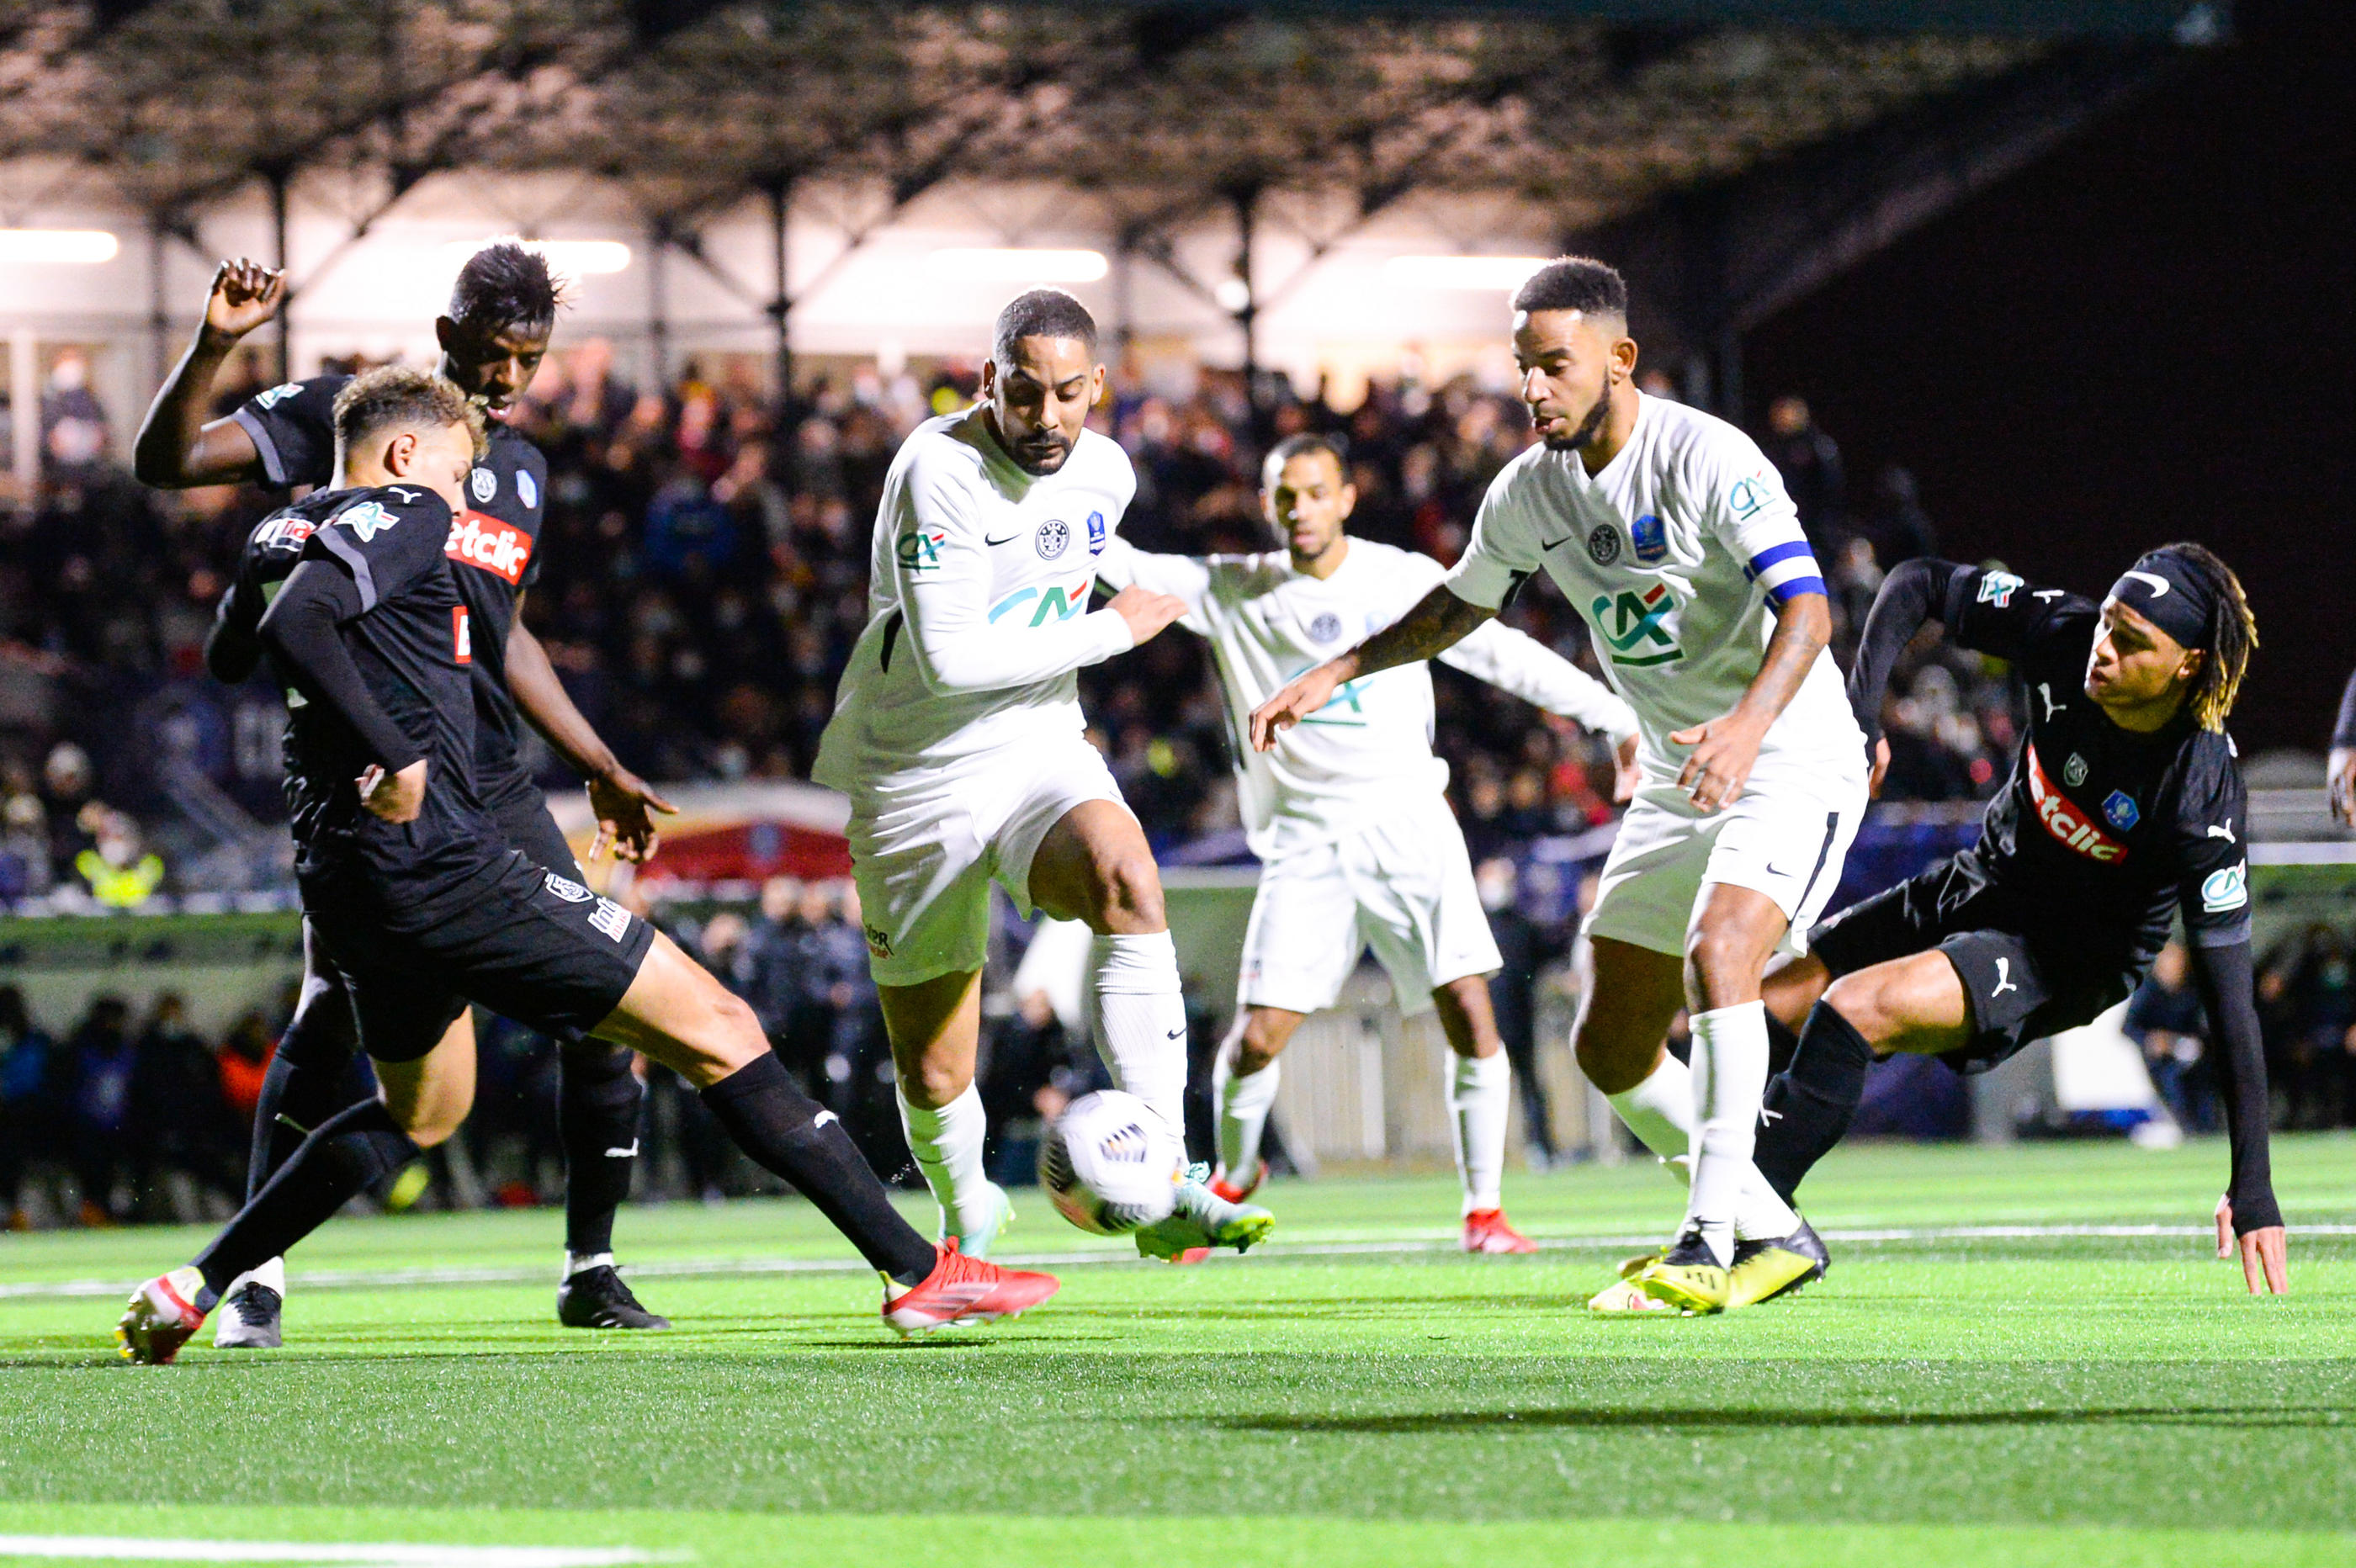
(1255, 1047)
(1722, 967)
(1614, 1066)
(1128, 894)
(930, 1083)
(1866, 1003)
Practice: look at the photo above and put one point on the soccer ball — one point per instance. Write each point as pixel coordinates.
(1110, 1164)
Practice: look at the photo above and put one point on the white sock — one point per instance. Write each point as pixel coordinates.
(1480, 1094)
(1244, 1103)
(947, 1146)
(1730, 1074)
(1140, 1020)
(272, 1274)
(577, 1263)
(1660, 1112)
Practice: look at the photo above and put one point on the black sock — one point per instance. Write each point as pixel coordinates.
(309, 1079)
(351, 1149)
(1807, 1107)
(779, 1126)
(1782, 1044)
(597, 1099)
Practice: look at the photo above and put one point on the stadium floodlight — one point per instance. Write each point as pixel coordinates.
(84, 247)
(566, 258)
(1502, 273)
(1012, 265)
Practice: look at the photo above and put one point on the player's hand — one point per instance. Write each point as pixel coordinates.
(395, 797)
(622, 802)
(245, 294)
(1625, 774)
(2339, 781)
(1724, 751)
(1881, 768)
(1146, 612)
(2265, 1254)
(1306, 694)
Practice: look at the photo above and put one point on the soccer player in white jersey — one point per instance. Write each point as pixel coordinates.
(1671, 533)
(958, 736)
(1348, 815)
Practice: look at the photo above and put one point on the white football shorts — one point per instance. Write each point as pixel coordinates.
(1786, 837)
(925, 847)
(1402, 886)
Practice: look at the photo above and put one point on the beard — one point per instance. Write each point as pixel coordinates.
(1049, 456)
(1588, 428)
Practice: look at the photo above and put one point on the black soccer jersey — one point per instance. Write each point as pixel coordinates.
(492, 544)
(414, 645)
(2100, 834)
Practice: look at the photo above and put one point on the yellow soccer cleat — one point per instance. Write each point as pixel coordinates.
(1765, 1270)
(1622, 1299)
(1688, 1276)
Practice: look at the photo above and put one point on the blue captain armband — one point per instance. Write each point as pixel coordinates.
(1786, 571)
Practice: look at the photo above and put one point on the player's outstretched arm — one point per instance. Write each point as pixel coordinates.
(1512, 660)
(2340, 773)
(2248, 1219)
(1439, 621)
(1726, 748)
(176, 449)
(623, 801)
(300, 628)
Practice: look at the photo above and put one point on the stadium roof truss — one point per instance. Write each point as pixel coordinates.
(1735, 153)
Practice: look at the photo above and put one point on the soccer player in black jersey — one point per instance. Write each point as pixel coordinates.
(502, 310)
(2125, 806)
(421, 907)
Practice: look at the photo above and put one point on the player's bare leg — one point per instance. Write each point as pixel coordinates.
(1480, 1101)
(1094, 865)
(1244, 1079)
(935, 1028)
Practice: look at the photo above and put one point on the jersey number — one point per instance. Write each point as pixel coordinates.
(462, 638)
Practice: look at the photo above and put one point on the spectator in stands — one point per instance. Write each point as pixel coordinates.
(29, 1063)
(178, 1122)
(2166, 1019)
(102, 1060)
(1895, 522)
(1810, 463)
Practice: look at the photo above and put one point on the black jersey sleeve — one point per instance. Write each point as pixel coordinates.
(293, 428)
(301, 628)
(531, 490)
(382, 538)
(1992, 611)
(2224, 977)
(2344, 728)
(233, 648)
(1915, 593)
(2213, 863)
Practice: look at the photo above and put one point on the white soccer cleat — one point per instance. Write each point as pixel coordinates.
(1201, 1221)
(975, 1241)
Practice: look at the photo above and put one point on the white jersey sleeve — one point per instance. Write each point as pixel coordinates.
(945, 590)
(1747, 507)
(1504, 549)
(1182, 577)
(1517, 662)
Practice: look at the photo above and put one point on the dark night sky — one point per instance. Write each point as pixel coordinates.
(2145, 335)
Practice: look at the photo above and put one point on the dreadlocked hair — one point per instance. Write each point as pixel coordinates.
(2233, 633)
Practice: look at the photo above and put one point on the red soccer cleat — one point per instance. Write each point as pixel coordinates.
(1234, 1192)
(160, 1318)
(963, 1292)
(1486, 1231)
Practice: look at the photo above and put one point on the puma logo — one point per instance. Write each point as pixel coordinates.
(2051, 707)
(629, 1153)
(2003, 979)
(1766, 1115)
(2225, 832)
(822, 1118)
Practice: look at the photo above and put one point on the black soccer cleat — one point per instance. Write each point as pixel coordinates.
(1765, 1270)
(597, 1298)
(249, 1319)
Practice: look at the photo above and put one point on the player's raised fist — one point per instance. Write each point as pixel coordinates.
(1307, 694)
(245, 294)
(1146, 612)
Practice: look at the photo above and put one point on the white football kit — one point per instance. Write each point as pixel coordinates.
(1348, 815)
(1676, 554)
(957, 731)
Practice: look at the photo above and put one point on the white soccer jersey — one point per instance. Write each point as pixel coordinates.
(1369, 751)
(978, 604)
(1673, 554)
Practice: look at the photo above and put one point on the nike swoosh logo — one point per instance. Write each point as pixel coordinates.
(822, 1118)
(1008, 540)
(1556, 545)
(1175, 1034)
(629, 1153)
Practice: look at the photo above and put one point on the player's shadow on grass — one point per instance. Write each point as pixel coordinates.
(1771, 1420)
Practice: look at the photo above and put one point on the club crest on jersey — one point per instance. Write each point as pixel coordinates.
(1651, 538)
(484, 484)
(1997, 588)
(1054, 538)
(1096, 533)
(1325, 628)
(482, 540)
(919, 551)
(2069, 825)
(2120, 810)
(368, 520)
(1631, 624)
(568, 890)
(2226, 890)
(2073, 772)
(527, 490)
(1603, 545)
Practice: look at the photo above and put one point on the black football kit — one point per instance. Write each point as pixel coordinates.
(370, 636)
(2100, 836)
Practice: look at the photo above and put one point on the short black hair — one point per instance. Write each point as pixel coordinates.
(394, 397)
(1040, 313)
(1574, 283)
(1302, 446)
(504, 286)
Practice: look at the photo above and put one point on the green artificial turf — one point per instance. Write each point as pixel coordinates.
(1359, 1392)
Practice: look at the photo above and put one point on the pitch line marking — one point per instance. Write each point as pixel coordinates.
(367, 1554)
